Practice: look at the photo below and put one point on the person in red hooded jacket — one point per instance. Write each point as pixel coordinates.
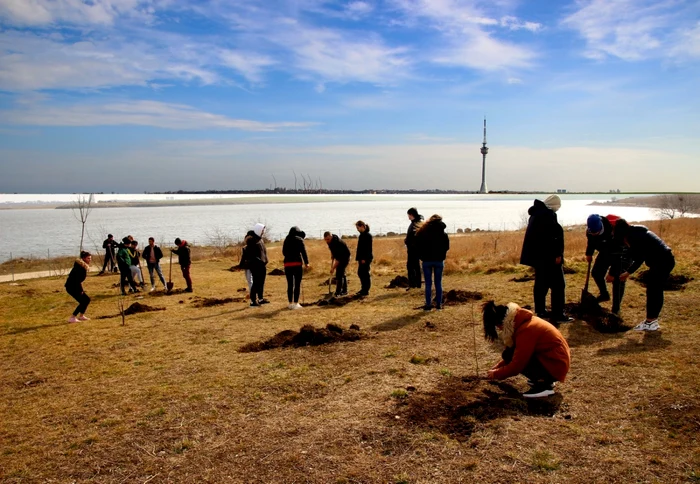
(533, 348)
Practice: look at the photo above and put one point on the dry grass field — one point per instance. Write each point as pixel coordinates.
(168, 397)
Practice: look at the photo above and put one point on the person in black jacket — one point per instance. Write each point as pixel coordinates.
(646, 247)
(610, 260)
(364, 257)
(294, 252)
(74, 286)
(340, 258)
(432, 244)
(543, 250)
(256, 261)
(184, 258)
(413, 261)
(152, 255)
(109, 245)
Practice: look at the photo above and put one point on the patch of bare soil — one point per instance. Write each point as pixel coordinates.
(454, 297)
(460, 406)
(680, 416)
(398, 281)
(276, 272)
(306, 336)
(335, 301)
(207, 302)
(675, 282)
(525, 278)
(140, 308)
(569, 270)
(235, 269)
(600, 318)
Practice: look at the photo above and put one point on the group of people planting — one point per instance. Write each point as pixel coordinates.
(534, 346)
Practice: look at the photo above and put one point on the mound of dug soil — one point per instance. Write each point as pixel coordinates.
(675, 282)
(459, 406)
(525, 278)
(140, 308)
(398, 281)
(207, 302)
(336, 301)
(458, 296)
(276, 272)
(600, 318)
(307, 336)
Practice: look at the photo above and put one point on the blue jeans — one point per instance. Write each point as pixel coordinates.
(155, 267)
(430, 267)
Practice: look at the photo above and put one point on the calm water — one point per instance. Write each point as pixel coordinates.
(36, 232)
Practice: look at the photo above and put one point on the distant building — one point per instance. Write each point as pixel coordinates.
(561, 190)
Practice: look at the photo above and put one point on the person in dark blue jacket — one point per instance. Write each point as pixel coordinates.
(610, 260)
(294, 252)
(543, 250)
(645, 247)
(412, 259)
(364, 257)
(340, 258)
(433, 244)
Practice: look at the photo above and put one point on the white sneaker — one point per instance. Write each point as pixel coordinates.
(83, 318)
(297, 306)
(648, 326)
(153, 288)
(290, 306)
(73, 319)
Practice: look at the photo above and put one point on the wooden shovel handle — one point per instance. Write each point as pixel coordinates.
(588, 276)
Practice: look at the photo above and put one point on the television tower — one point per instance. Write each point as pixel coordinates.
(484, 151)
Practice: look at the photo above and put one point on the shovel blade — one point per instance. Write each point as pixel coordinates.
(170, 286)
(588, 299)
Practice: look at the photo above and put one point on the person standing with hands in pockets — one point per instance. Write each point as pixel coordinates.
(364, 257)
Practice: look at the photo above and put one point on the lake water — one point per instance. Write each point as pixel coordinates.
(38, 232)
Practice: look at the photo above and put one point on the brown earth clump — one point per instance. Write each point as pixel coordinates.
(207, 302)
(525, 278)
(276, 272)
(307, 336)
(460, 406)
(398, 281)
(675, 282)
(140, 308)
(458, 296)
(338, 301)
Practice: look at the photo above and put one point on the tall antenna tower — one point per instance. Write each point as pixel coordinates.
(484, 152)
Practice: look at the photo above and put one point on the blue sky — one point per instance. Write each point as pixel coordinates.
(153, 95)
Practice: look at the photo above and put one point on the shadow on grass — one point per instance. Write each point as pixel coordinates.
(12, 330)
(652, 341)
(583, 334)
(459, 406)
(397, 323)
(233, 311)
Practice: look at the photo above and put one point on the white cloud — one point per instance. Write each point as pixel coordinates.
(139, 113)
(30, 61)
(482, 52)
(249, 65)
(514, 23)
(632, 30)
(43, 12)
(514, 80)
(358, 9)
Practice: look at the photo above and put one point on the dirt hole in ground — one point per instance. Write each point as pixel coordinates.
(598, 317)
(306, 336)
(276, 272)
(398, 281)
(458, 296)
(141, 308)
(675, 282)
(337, 301)
(207, 302)
(460, 406)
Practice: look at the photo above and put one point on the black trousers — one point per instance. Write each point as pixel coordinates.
(549, 276)
(533, 371)
(109, 259)
(294, 275)
(341, 280)
(363, 272)
(125, 278)
(655, 280)
(82, 298)
(259, 274)
(611, 263)
(414, 269)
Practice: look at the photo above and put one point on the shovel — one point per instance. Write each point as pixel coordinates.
(170, 276)
(330, 278)
(588, 299)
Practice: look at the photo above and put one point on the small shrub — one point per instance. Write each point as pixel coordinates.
(418, 360)
(445, 372)
(399, 394)
(545, 461)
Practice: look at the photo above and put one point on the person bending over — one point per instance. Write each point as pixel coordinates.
(533, 348)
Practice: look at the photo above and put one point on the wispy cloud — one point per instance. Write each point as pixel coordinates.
(79, 12)
(633, 30)
(139, 113)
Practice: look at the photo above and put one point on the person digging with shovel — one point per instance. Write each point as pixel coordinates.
(340, 258)
(185, 260)
(608, 264)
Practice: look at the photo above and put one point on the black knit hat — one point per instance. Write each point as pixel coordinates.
(178, 241)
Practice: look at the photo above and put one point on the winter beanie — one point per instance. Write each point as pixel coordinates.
(595, 224)
(553, 202)
(258, 229)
